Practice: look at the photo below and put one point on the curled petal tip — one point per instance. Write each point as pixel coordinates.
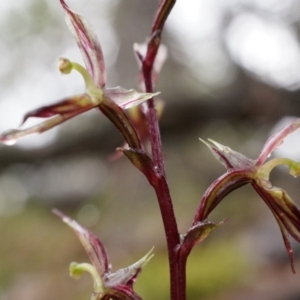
(65, 66)
(76, 271)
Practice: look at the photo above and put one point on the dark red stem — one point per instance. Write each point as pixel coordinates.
(162, 12)
(171, 231)
(177, 268)
(151, 114)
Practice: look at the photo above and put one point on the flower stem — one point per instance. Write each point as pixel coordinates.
(177, 267)
(171, 231)
(162, 12)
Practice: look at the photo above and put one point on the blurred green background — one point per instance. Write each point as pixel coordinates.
(232, 75)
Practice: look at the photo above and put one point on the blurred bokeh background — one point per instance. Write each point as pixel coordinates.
(232, 75)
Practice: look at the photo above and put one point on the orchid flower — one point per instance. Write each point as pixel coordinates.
(242, 170)
(137, 113)
(107, 285)
(110, 101)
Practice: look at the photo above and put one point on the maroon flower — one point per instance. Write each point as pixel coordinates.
(242, 170)
(108, 100)
(107, 285)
